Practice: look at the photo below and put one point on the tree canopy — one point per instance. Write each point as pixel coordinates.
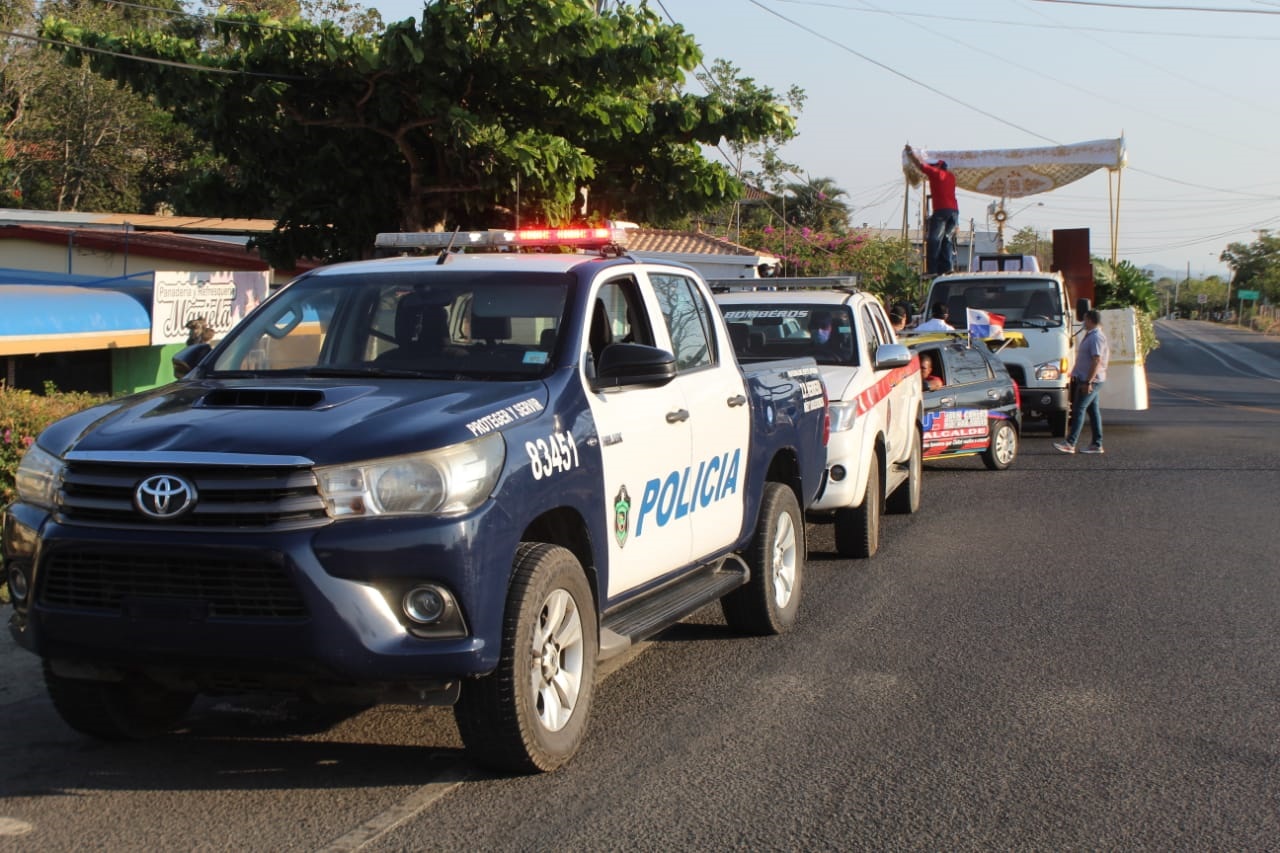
(71, 140)
(1256, 265)
(481, 113)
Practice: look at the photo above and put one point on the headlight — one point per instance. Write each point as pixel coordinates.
(39, 477)
(1050, 370)
(842, 416)
(447, 481)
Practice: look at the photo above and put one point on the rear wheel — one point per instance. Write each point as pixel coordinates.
(133, 709)
(858, 528)
(1003, 448)
(1057, 424)
(770, 601)
(906, 498)
(530, 714)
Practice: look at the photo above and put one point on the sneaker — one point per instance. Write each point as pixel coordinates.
(1063, 447)
(1093, 448)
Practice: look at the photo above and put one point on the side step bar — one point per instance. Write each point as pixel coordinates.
(669, 604)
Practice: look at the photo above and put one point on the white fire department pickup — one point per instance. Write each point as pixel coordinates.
(874, 455)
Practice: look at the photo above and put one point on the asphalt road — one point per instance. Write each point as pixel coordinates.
(1080, 652)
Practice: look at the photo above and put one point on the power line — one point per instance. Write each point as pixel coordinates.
(1134, 56)
(1028, 25)
(1159, 7)
(169, 63)
(902, 75)
(180, 13)
(1100, 95)
(977, 109)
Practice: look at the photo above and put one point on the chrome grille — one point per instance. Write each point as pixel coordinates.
(239, 497)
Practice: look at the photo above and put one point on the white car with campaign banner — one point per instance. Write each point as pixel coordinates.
(875, 451)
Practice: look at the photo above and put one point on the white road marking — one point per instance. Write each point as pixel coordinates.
(402, 812)
(1253, 373)
(11, 826)
(450, 777)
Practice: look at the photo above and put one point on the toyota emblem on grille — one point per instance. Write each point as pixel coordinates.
(164, 496)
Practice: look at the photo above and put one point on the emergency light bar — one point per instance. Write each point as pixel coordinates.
(578, 238)
(847, 283)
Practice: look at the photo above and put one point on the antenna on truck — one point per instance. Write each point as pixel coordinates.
(444, 253)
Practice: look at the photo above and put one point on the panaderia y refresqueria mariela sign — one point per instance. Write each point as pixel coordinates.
(220, 299)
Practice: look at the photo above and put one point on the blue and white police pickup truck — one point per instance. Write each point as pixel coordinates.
(462, 480)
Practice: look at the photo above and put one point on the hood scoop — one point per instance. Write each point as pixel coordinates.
(263, 398)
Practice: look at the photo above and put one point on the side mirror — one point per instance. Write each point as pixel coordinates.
(186, 359)
(892, 355)
(625, 365)
(1082, 305)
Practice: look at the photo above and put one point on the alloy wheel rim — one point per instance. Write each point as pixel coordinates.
(785, 560)
(557, 660)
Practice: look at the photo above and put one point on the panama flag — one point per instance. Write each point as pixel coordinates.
(984, 324)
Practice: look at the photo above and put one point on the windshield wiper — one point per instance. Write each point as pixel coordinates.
(393, 372)
(232, 374)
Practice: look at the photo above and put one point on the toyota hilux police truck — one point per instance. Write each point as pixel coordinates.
(462, 479)
(874, 458)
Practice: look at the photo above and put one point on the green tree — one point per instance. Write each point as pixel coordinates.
(885, 267)
(481, 113)
(1256, 265)
(817, 203)
(1029, 242)
(756, 163)
(1124, 285)
(78, 141)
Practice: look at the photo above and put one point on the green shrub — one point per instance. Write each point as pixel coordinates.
(22, 416)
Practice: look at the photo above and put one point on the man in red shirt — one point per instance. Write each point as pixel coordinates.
(945, 216)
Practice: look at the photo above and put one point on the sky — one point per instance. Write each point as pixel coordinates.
(1191, 91)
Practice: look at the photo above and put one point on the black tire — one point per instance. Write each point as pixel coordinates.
(134, 709)
(770, 602)
(858, 528)
(1057, 424)
(906, 498)
(499, 715)
(1003, 447)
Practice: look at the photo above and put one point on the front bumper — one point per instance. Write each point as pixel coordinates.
(1038, 402)
(290, 609)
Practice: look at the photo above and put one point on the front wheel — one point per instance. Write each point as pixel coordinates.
(770, 601)
(530, 714)
(133, 709)
(906, 498)
(858, 528)
(1003, 448)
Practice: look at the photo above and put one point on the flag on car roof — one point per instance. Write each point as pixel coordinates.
(985, 324)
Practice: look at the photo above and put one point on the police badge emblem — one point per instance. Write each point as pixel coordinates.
(621, 516)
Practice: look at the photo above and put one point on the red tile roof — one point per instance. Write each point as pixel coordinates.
(217, 254)
(686, 242)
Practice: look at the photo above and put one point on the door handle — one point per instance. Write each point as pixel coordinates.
(947, 401)
(677, 416)
(737, 400)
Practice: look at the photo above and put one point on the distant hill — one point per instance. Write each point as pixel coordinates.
(1157, 272)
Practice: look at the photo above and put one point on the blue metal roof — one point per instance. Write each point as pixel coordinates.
(64, 309)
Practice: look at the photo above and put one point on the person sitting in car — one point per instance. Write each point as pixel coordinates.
(928, 379)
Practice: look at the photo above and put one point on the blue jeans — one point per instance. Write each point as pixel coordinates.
(940, 247)
(1082, 401)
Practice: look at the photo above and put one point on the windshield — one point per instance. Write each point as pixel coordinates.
(450, 323)
(1025, 303)
(825, 332)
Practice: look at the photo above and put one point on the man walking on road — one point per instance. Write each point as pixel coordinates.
(945, 216)
(1087, 376)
